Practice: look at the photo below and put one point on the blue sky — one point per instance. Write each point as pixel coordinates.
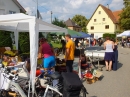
(64, 9)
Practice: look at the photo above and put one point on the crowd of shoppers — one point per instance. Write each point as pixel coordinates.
(125, 42)
(46, 52)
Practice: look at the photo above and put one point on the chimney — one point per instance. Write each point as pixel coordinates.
(108, 6)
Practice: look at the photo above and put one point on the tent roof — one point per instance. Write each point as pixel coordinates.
(21, 21)
(84, 35)
(125, 33)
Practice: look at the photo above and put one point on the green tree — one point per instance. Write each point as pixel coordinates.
(125, 16)
(5, 39)
(58, 22)
(81, 21)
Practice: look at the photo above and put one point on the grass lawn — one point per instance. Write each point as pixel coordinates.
(56, 45)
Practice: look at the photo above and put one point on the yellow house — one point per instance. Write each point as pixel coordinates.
(72, 25)
(103, 21)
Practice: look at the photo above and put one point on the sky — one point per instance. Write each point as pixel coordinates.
(65, 9)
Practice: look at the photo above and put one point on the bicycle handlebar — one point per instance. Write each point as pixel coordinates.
(8, 74)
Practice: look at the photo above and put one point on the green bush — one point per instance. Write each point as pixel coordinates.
(5, 39)
(24, 43)
(112, 36)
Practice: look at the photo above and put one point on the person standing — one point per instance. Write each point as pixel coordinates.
(115, 62)
(69, 55)
(76, 42)
(128, 42)
(109, 55)
(63, 46)
(46, 52)
(100, 42)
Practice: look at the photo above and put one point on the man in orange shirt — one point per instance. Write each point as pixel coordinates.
(69, 55)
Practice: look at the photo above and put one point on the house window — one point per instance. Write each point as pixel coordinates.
(12, 12)
(99, 12)
(103, 19)
(107, 27)
(92, 27)
(95, 20)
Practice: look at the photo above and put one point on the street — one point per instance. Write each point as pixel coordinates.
(114, 83)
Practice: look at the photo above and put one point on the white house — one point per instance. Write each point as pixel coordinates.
(10, 7)
(103, 21)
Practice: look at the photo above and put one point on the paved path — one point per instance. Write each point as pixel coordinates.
(114, 83)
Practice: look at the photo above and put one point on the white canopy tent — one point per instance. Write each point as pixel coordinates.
(125, 33)
(24, 23)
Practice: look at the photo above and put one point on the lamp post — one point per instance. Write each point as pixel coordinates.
(51, 16)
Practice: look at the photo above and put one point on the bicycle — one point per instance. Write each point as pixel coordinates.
(55, 90)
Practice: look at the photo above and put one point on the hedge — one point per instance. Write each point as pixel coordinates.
(5, 39)
(112, 36)
(24, 43)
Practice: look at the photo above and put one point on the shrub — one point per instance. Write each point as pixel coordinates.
(112, 36)
(24, 43)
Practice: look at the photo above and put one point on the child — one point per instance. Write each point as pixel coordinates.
(83, 63)
(6, 60)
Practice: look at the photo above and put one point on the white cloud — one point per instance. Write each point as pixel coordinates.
(116, 4)
(64, 9)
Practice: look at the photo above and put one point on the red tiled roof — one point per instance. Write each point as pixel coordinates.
(116, 14)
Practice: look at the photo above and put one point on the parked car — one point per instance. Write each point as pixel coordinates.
(95, 52)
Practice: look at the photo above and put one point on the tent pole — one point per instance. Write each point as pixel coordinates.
(16, 33)
(16, 39)
(33, 34)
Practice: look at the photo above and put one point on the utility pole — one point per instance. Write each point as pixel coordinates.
(51, 16)
(37, 10)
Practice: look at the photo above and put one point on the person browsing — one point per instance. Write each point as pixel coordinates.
(69, 55)
(46, 51)
(109, 55)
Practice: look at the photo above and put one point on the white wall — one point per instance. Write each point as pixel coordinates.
(10, 6)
